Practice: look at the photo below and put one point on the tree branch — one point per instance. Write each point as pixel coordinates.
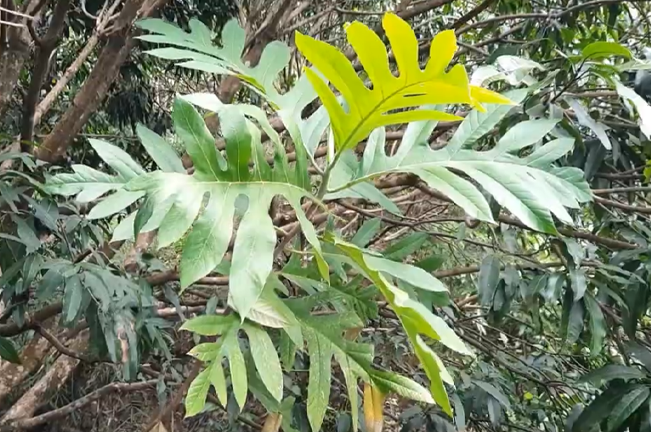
(76, 405)
(41, 68)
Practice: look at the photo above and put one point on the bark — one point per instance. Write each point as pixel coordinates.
(102, 22)
(11, 375)
(115, 52)
(55, 377)
(46, 48)
(142, 243)
(13, 54)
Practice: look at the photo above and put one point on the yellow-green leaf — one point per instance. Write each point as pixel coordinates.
(369, 108)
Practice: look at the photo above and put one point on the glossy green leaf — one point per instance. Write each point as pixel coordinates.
(86, 183)
(388, 381)
(114, 203)
(408, 273)
(579, 283)
(318, 386)
(508, 178)
(524, 134)
(478, 123)
(489, 276)
(177, 200)
(197, 393)
(237, 368)
(366, 232)
(494, 392)
(586, 120)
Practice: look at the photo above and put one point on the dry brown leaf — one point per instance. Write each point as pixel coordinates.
(272, 422)
(158, 428)
(373, 408)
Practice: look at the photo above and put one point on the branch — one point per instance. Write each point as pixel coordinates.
(56, 343)
(41, 68)
(76, 405)
(472, 14)
(629, 208)
(621, 190)
(90, 45)
(32, 321)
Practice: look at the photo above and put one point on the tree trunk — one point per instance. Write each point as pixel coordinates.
(13, 55)
(94, 90)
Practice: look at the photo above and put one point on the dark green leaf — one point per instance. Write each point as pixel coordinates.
(8, 351)
(489, 276)
(367, 231)
(627, 405)
(599, 409)
(612, 372)
(494, 392)
(72, 298)
(597, 324)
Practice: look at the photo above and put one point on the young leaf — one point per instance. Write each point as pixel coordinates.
(369, 108)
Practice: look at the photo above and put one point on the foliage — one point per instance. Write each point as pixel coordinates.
(470, 248)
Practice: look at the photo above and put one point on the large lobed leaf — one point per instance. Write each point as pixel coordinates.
(529, 187)
(384, 103)
(177, 200)
(197, 48)
(206, 201)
